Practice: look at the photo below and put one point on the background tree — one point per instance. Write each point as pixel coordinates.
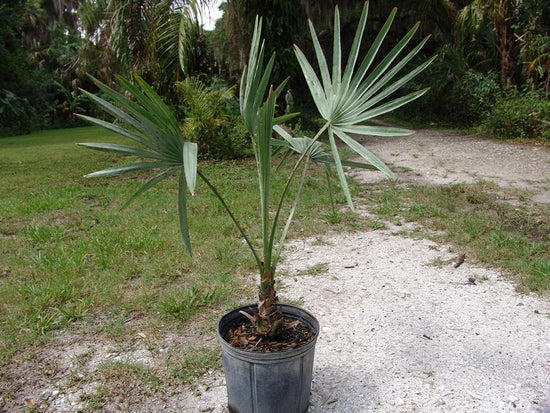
(532, 29)
(284, 21)
(495, 14)
(20, 76)
(225, 63)
(486, 48)
(42, 15)
(159, 40)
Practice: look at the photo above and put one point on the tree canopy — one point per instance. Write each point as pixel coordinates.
(51, 46)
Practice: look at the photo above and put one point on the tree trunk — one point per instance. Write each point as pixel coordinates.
(269, 318)
(500, 14)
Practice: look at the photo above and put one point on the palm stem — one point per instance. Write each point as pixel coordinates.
(233, 218)
(303, 156)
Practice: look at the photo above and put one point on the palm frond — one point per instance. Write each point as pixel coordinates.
(141, 115)
(348, 97)
(254, 81)
(189, 31)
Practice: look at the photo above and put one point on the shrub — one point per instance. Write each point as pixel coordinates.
(211, 120)
(526, 116)
(462, 99)
(472, 98)
(16, 114)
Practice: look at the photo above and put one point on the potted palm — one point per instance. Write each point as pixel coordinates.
(277, 377)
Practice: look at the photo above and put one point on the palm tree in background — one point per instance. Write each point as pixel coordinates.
(520, 35)
(498, 14)
(42, 15)
(146, 37)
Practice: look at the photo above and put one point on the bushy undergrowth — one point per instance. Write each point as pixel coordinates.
(15, 114)
(526, 116)
(472, 98)
(477, 100)
(459, 95)
(463, 102)
(463, 95)
(211, 119)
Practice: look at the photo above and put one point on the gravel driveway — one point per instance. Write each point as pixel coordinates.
(399, 334)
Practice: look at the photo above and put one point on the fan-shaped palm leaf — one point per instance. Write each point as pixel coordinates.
(146, 120)
(348, 97)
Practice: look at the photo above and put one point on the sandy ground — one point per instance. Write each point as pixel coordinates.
(398, 332)
(433, 157)
(402, 335)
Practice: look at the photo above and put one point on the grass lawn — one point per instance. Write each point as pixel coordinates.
(74, 263)
(71, 255)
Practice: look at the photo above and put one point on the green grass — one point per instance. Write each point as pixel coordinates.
(194, 363)
(480, 219)
(70, 255)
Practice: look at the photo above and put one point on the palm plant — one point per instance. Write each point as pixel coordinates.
(209, 118)
(345, 100)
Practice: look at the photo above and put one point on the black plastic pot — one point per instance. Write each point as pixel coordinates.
(278, 382)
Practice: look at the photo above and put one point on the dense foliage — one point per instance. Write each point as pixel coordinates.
(520, 116)
(211, 119)
(489, 52)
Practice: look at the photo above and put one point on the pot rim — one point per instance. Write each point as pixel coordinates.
(295, 313)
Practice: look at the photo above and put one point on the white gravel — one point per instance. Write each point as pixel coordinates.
(401, 334)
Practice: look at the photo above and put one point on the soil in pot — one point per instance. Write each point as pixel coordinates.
(294, 334)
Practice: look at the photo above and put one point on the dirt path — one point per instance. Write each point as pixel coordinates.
(434, 157)
(398, 333)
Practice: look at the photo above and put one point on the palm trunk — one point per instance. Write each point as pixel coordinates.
(503, 31)
(269, 319)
